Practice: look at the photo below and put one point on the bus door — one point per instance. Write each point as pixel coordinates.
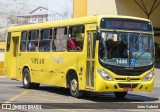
(14, 50)
(90, 70)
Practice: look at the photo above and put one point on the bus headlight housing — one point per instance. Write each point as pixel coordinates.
(149, 76)
(105, 75)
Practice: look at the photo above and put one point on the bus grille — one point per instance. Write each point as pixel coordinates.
(124, 79)
(129, 73)
(127, 85)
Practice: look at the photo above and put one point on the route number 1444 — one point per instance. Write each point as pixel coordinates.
(121, 61)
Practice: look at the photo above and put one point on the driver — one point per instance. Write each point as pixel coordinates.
(132, 49)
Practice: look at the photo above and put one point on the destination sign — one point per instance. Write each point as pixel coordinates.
(127, 24)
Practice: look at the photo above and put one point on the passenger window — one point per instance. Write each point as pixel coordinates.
(23, 41)
(59, 41)
(33, 40)
(46, 36)
(8, 41)
(75, 38)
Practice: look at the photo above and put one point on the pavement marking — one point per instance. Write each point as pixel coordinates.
(55, 100)
(17, 96)
(67, 110)
(41, 95)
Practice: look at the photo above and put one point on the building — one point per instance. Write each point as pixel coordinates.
(139, 8)
(41, 14)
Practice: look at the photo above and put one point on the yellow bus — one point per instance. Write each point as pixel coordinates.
(97, 53)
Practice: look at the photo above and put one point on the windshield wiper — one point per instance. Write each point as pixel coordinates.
(138, 39)
(140, 55)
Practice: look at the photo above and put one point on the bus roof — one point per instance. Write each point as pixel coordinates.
(74, 21)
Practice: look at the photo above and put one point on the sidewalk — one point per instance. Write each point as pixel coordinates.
(157, 64)
(1, 56)
(157, 77)
(2, 77)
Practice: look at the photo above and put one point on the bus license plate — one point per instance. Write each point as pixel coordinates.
(128, 89)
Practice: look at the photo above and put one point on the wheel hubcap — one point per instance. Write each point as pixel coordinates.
(74, 85)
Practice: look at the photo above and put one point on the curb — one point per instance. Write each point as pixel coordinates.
(2, 77)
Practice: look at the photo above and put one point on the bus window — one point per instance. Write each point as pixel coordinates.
(75, 38)
(23, 41)
(46, 36)
(8, 41)
(33, 40)
(60, 39)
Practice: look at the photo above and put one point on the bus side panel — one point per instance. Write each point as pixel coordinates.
(51, 67)
(41, 65)
(81, 70)
(63, 62)
(38, 64)
(24, 60)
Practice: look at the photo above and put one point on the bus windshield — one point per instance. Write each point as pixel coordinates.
(126, 49)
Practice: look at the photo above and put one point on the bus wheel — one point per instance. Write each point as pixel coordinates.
(120, 94)
(74, 88)
(26, 79)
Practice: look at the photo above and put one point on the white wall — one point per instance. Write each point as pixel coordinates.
(97, 7)
(1, 56)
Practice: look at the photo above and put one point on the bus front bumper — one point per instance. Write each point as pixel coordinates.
(113, 86)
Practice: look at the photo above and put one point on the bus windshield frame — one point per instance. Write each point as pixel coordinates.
(126, 49)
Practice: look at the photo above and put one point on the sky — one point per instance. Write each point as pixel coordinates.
(60, 6)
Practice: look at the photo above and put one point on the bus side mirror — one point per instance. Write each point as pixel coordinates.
(98, 35)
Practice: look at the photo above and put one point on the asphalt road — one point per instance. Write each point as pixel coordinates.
(11, 91)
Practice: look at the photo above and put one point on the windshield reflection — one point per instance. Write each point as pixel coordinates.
(126, 49)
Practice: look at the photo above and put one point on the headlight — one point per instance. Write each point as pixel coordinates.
(149, 76)
(104, 75)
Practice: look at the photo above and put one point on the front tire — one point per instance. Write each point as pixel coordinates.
(74, 88)
(120, 95)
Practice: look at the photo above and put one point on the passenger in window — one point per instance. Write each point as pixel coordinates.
(116, 53)
(109, 49)
(31, 46)
(71, 44)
